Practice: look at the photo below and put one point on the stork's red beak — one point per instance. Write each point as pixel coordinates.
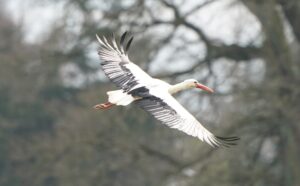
(203, 87)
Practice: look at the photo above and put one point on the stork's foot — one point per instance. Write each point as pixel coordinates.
(103, 106)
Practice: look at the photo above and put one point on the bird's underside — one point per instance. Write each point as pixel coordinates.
(152, 95)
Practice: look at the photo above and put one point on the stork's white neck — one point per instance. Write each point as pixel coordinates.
(180, 86)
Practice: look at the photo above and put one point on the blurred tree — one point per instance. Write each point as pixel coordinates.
(50, 136)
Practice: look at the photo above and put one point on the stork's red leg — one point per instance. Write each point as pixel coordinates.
(106, 105)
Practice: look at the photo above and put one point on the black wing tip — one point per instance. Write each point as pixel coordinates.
(123, 36)
(125, 33)
(227, 141)
(233, 138)
(125, 44)
(128, 44)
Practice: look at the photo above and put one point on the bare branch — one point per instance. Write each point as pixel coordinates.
(160, 155)
(236, 52)
(187, 71)
(199, 7)
(198, 31)
(174, 8)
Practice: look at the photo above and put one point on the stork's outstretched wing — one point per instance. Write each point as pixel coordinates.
(117, 66)
(165, 108)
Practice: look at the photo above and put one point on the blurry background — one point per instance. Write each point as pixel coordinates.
(50, 77)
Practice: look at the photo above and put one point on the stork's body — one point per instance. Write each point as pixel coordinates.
(119, 97)
(152, 95)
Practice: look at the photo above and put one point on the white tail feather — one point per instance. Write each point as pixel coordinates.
(118, 97)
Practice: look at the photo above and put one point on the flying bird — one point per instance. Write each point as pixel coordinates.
(151, 94)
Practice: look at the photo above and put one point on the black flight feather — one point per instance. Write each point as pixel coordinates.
(128, 44)
(123, 39)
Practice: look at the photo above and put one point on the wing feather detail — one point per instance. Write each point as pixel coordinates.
(165, 108)
(117, 66)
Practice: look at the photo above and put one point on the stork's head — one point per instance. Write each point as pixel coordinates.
(192, 83)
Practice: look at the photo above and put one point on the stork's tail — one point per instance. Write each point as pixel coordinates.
(118, 97)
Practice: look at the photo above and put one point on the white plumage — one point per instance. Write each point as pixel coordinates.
(118, 97)
(152, 95)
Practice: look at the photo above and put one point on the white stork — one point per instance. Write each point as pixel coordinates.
(152, 95)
